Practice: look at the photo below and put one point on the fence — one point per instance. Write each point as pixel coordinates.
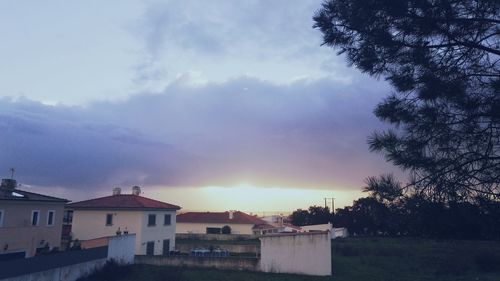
(228, 263)
(59, 266)
(299, 253)
(71, 265)
(252, 249)
(224, 237)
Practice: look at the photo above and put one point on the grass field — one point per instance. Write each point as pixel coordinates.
(356, 259)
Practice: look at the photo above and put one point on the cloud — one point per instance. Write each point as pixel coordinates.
(222, 40)
(310, 133)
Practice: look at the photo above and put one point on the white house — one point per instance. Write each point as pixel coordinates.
(334, 232)
(153, 222)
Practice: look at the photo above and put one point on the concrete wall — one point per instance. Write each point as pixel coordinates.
(66, 273)
(225, 237)
(201, 228)
(18, 235)
(232, 248)
(229, 263)
(340, 232)
(122, 248)
(317, 227)
(63, 267)
(300, 253)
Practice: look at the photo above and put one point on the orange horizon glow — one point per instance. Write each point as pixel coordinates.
(244, 197)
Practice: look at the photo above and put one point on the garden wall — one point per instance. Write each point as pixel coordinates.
(228, 263)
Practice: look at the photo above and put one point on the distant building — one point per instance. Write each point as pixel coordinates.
(318, 227)
(153, 222)
(277, 224)
(30, 223)
(213, 222)
(340, 232)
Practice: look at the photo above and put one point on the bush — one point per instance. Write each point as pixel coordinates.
(226, 229)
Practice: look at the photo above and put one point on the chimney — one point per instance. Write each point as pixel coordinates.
(231, 214)
(8, 184)
(136, 190)
(117, 191)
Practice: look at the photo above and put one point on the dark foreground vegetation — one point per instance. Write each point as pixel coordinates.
(411, 217)
(354, 259)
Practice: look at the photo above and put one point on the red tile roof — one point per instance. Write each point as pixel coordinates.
(218, 217)
(122, 201)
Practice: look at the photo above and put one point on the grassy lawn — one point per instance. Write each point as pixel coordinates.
(356, 259)
(404, 259)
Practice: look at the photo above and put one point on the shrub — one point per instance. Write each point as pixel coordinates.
(226, 229)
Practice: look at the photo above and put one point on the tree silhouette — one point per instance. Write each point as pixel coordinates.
(442, 58)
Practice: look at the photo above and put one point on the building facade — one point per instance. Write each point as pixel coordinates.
(153, 222)
(213, 222)
(30, 223)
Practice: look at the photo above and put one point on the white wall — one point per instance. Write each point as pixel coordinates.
(318, 227)
(300, 253)
(122, 248)
(201, 228)
(157, 233)
(340, 232)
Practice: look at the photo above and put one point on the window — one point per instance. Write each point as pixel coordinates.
(50, 217)
(213, 230)
(109, 219)
(35, 217)
(1, 217)
(151, 220)
(167, 219)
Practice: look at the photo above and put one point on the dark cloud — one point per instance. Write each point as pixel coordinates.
(308, 133)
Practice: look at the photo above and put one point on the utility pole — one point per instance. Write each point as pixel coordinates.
(328, 200)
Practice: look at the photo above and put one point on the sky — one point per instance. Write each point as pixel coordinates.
(211, 105)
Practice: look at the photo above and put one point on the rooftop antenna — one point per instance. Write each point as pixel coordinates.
(12, 171)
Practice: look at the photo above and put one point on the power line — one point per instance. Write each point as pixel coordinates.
(332, 200)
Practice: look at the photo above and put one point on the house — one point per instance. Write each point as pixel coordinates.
(340, 232)
(30, 223)
(213, 222)
(276, 224)
(153, 222)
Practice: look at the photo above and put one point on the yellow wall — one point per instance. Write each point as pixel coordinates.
(90, 224)
(18, 233)
(201, 228)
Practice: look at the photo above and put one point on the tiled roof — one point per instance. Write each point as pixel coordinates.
(122, 201)
(21, 195)
(218, 217)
